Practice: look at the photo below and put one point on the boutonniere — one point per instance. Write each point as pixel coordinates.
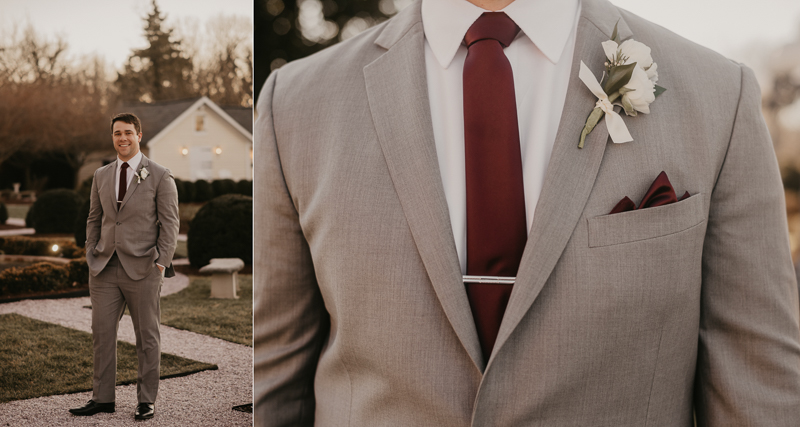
(141, 175)
(628, 81)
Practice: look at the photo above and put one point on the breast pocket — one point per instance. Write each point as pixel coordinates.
(649, 223)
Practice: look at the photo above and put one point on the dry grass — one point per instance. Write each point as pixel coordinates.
(43, 359)
(191, 309)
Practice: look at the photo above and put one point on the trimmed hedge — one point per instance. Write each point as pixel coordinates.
(223, 186)
(25, 246)
(85, 189)
(72, 251)
(55, 211)
(21, 245)
(78, 271)
(39, 277)
(190, 191)
(203, 191)
(222, 228)
(245, 187)
(80, 223)
(181, 187)
(29, 218)
(44, 277)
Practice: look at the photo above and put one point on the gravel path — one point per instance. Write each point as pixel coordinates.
(202, 399)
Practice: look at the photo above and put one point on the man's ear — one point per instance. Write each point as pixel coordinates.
(140, 137)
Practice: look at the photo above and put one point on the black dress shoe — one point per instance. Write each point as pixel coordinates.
(144, 411)
(91, 407)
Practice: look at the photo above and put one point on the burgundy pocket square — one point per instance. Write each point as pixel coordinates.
(660, 193)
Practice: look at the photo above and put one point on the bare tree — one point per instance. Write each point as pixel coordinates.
(222, 58)
(48, 106)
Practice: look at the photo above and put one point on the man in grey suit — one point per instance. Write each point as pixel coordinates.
(653, 316)
(131, 235)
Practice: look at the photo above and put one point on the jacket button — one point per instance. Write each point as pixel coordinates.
(119, 223)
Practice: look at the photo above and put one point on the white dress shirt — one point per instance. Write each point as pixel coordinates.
(540, 57)
(134, 164)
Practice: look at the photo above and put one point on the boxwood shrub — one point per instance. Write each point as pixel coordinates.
(223, 186)
(39, 277)
(3, 213)
(80, 223)
(55, 211)
(20, 245)
(44, 277)
(202, 191)
(222, 228)
(245, 187)
(78, 272)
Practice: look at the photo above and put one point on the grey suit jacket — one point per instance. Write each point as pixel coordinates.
(144, 230)
(631, 319)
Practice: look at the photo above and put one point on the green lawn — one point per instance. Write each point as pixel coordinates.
(42, 359)
(181, 251)
(228, 319)
(17, 211)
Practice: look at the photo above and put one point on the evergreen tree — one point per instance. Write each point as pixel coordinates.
(159, 72)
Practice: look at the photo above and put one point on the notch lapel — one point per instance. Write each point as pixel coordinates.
(110, 177)
(571, 171)
(397, 92)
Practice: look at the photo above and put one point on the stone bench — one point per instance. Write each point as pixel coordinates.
(224, 281)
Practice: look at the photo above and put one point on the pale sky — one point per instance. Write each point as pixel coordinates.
(730, 27)
(735, 28)
(111, 28)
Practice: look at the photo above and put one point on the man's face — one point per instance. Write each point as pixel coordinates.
(126, 140)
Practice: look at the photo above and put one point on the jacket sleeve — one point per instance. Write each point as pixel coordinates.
(290, 321)
(168, 217)
(95, 219)
(748, 363)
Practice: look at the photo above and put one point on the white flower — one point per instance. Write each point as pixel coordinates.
(142, 175)
(631, 51)
(652, 73)
(638, 94)
(631, 86)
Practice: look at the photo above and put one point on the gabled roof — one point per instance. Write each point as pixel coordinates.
(158, 116)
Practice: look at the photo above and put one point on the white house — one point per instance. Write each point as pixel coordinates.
(195, 138)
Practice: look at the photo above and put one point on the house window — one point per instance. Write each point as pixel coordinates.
(200, 123)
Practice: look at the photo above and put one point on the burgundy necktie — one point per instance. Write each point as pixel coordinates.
(123, 183)
(496, 224)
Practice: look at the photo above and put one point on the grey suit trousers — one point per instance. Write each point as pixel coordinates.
(110, 291)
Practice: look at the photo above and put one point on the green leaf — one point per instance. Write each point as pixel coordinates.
(619, 76)
(615, 35)
(659, 90)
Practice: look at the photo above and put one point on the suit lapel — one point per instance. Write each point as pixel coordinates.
(134, 183)
(110, 177)
(571, 172)
(398, 98)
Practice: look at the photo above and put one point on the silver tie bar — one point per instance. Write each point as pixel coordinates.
(498, 280)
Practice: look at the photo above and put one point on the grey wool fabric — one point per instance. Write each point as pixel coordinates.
(641, 318)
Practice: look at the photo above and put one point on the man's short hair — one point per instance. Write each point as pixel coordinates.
(128, 118)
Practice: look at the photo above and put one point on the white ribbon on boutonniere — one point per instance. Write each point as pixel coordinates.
(142, 175)
(630, 82)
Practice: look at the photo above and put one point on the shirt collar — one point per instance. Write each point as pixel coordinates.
(548, 23)
(133, 163)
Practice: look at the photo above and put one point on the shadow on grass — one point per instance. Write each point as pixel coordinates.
(42, 359)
